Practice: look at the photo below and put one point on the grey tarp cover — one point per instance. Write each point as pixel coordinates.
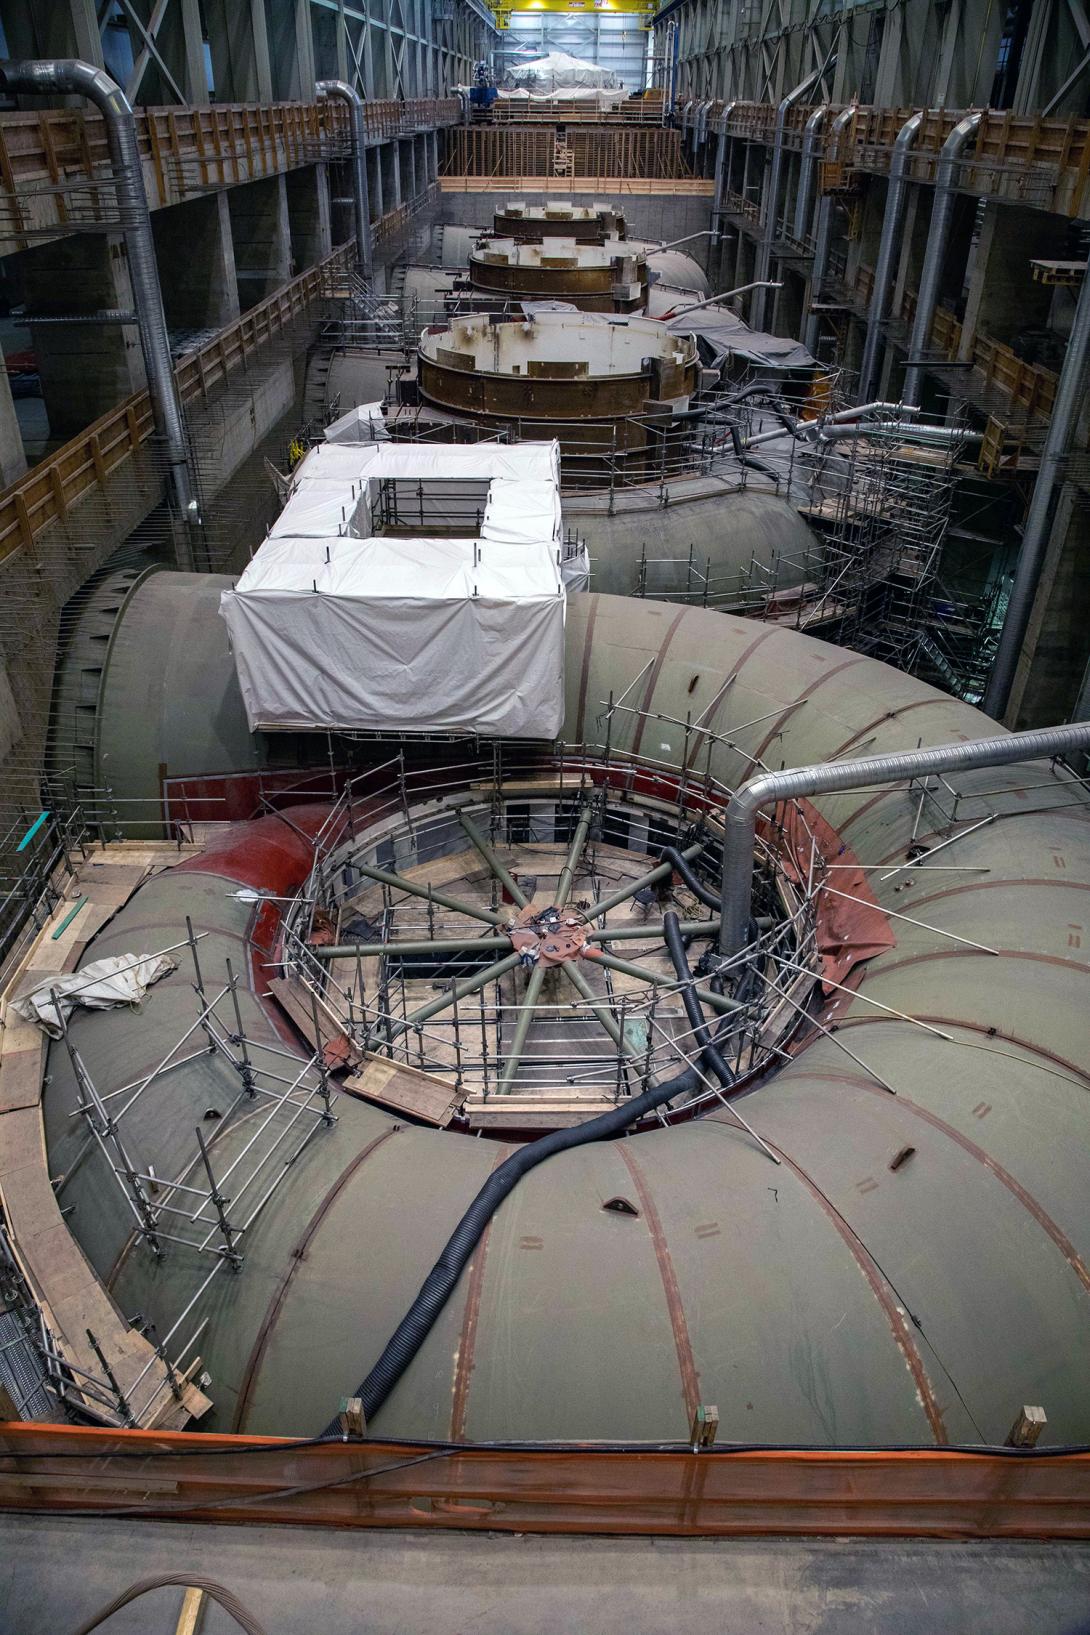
(729, 334)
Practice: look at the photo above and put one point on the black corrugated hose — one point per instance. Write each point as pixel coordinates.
(680, 866)
(438, 1286)
(709, 1050)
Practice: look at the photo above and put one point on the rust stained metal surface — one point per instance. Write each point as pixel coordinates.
(548, 936)
(591, 277)
(929, 1493)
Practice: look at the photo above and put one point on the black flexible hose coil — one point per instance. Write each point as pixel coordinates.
(680, 866)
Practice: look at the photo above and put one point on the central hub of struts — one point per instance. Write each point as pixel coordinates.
(547, 936)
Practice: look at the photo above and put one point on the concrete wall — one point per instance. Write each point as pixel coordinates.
(261, 234)
(195, 253)
(85, 369)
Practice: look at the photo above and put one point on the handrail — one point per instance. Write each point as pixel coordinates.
(349, 97)
(1051, 155)
(1029, 386)
(47, 156)
(72, 77)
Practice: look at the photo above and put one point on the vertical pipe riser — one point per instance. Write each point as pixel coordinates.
(66, 76)
(772, 203)
(361, 202)
(824, 236)
(942, 211)
(804, 197)
(887, 249)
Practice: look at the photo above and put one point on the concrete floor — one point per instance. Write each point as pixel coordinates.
(55, 1573)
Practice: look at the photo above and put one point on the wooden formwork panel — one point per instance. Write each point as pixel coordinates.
(649, 153)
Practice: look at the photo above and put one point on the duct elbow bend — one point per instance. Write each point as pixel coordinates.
(339, 88)
(739, 842)
(67, 76)
(906, 137)
(740, 817)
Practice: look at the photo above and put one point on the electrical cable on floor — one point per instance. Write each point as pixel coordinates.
(229, 1602)
(199, 1507)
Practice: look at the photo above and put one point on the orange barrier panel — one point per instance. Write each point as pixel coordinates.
(929, 1492)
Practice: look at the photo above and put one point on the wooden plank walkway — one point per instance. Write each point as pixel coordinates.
(71, 1297)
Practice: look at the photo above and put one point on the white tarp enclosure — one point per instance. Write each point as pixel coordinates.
(558, 77)
(339, 624)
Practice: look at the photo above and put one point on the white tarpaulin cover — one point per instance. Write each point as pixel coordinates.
(330, 495)
(334, 627)
(363, 424)
(602, 101)
(575, 568)
(122, 979)
(557, 71)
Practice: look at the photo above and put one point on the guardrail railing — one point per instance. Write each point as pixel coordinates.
(1024, 159)
(56, 176)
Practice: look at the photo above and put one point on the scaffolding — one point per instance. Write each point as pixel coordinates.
(193, 1212)
(879, 497)
(884, 524)
(209, 1207)
(457, 983)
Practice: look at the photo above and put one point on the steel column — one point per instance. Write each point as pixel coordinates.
(1061, 428)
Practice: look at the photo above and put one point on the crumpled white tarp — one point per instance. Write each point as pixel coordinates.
(122, 979)
(575, 567)
(401, 635)
(363, 424)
